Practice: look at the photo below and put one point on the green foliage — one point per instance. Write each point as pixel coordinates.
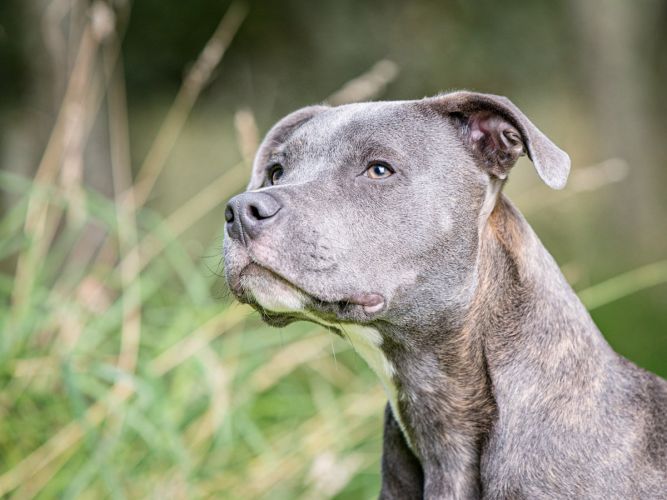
(217, 404)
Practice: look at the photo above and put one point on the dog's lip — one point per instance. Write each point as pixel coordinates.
(371, 303)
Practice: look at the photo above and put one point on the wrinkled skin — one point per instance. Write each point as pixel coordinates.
(502, 385)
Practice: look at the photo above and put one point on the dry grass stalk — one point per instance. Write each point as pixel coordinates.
(288, 358)
(194, 83)
(197, 340)
(128, 235)
(247, 134)
(624, 284)
(192, 86)
(38, 228)
(582, 179)
(366, 86)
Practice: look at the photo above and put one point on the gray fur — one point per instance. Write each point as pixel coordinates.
(503, 386)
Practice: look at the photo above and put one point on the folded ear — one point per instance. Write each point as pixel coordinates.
(278, 134)
(498, 133)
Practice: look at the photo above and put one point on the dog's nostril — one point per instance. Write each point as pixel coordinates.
(256, 214)
(229, 214)
(262, 211)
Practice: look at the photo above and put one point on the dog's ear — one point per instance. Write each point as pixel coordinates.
(278, 134)
(498, 133)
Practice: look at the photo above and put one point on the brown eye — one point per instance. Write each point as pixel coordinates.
(379, 171)
(275, 174)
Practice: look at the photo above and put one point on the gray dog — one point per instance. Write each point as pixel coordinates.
(385, 222)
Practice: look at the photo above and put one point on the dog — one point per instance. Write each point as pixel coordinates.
(385, 222)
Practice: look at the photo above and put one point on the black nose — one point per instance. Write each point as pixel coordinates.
(247, 214)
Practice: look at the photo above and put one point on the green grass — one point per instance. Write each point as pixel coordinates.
(217, 404)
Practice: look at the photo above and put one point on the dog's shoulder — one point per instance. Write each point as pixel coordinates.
(652, 403)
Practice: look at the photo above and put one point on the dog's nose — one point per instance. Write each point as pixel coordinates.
(247, 214)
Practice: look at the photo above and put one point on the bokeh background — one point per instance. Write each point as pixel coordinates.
(125, 369)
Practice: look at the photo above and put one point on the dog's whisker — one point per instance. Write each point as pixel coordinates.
(333, 351)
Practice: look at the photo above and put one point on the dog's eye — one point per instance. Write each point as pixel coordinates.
(275, 174)
(379, 171)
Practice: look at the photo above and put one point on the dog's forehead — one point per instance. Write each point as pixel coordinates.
(407, 134)
(348, 127)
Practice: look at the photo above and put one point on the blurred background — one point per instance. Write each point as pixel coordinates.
(125, 369)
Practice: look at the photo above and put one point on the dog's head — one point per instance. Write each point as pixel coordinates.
(372, 212)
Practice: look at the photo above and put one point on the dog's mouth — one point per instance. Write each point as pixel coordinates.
(281, 301)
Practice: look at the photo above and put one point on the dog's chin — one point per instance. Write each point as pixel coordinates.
(280, 302)
(271, 292)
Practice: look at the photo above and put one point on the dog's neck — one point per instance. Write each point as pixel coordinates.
(450, 390)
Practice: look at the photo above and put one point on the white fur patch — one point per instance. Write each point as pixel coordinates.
(273, 294)
(367, 341)
(492, 191)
